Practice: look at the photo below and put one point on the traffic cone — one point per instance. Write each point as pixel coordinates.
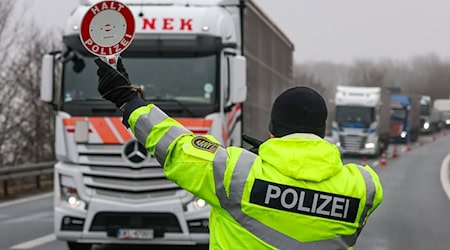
(364, 160)
(383, 161)
(395, 154)
(408, 146)
(421, 142)
(445, 133)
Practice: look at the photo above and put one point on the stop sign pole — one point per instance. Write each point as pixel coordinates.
(107, 29)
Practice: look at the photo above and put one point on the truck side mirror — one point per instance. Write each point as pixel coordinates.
(238, 79)
(47, 78)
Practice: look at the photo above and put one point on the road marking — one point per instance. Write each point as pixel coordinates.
(444, 176)
(40, 216)
(36, 242)
(31, 198)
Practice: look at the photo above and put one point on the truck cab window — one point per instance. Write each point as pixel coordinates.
(398, 114)
(190, 80)
(80, 83)
(363, 115)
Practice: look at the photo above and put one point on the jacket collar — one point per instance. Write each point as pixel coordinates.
(302, 156)
(302, 135)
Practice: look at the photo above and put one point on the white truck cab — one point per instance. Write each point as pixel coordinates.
(188, 57)
(361, 122)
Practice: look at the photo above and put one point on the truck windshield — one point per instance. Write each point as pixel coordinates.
(398, 114)
(425, 109)
(445, 115)
(354, 114)
(182, 80)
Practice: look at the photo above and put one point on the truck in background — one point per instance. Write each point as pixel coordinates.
(442, 109)
(428, 118)
(361, 120)
(405, 118)
(214, 65)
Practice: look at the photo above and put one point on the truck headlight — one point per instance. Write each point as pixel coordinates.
(370, 145)
(426, 125)
(195, 204)
(69, 193)
(447, 121)
(403, 134)
(70, 196)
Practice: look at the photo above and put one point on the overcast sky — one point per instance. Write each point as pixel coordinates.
(334, 30)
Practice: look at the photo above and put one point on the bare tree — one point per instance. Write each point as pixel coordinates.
(328, 74)
(425, 75)
(431, 76)
(27, 123)
(366, 73)
(302, 78)
(6, 92)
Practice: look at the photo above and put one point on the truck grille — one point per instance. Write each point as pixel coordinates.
(352, 142)
(107, 172)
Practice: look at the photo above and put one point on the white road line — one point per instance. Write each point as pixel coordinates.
(42, 215)
(444, 175)
(36, 242)
(31, 198)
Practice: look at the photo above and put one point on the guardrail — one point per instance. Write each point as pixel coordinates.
(25, 172)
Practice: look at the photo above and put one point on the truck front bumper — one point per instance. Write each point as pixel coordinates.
(399, 139)
(99, 225)
(364, 151)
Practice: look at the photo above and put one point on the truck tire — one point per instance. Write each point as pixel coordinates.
(414, 136)
(379, 150)
(79, 246)
(383, 145)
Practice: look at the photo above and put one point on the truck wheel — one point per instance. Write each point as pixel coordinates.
(379, 150)
(79, 246)
(382, 146)
(415, 137)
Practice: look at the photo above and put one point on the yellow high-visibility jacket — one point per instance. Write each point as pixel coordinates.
(296, 194)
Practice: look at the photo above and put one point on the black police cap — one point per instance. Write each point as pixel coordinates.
(298, 110)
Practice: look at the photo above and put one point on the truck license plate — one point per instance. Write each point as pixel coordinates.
(134, 234)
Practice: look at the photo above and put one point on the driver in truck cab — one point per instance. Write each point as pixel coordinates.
(294, 194)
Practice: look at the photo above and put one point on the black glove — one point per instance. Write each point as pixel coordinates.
(114, 85)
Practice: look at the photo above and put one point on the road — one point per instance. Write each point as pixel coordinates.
(28, 224)
(414, 214)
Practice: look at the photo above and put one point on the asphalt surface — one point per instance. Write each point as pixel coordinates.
(415, 212)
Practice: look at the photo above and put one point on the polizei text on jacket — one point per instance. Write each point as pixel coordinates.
(304, 201)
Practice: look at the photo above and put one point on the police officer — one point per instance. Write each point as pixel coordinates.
(296, 194)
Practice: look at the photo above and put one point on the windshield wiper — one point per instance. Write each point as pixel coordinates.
(180, 104)
(89, 99)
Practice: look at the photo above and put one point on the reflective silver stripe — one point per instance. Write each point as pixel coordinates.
(145, 123)
(233, 204)
(233, 207)
(370, 196)
(350, 240)
(163, 144)
(219, 166)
